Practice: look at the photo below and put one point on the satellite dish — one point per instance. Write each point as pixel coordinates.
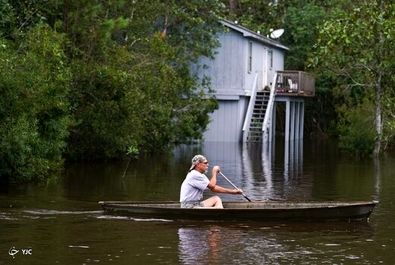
(277, 33)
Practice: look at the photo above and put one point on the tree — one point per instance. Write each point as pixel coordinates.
(356, 46)
(111, 77)
(257, 15)
(301, 23)
(132, 87)
(34, 108)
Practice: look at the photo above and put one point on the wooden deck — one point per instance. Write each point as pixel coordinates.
(295, 83)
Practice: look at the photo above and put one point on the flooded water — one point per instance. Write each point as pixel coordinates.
(61, 223)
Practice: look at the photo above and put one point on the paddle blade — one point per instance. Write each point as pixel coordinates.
(245, 196)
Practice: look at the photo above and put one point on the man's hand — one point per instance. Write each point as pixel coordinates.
(216, 169)
(238, 191)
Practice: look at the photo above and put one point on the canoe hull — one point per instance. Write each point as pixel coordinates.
(247, 211)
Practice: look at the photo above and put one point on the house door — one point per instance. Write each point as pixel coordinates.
(269, 67)
(264, 69)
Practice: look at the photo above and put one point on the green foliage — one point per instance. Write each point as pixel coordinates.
(355, 49)
(104, 118)
(258, 15)
(356, 128)
(7, 17)
(133, 150)
(389, 118)
(111, 77)
(18, 17)
(133, 88)
(34, 110)
(301, 24)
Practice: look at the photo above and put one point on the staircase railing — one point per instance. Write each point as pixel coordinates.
(269, 110)
(250, 109)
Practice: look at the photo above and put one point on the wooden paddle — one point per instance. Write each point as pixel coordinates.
(230, 182)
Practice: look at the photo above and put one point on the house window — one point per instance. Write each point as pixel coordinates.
(271, 59)
(249, 56)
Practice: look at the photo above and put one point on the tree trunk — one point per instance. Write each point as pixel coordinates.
(378, 117)
(233, 6)
(379, 89)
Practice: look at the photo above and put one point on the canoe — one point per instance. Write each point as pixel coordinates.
(246, 211)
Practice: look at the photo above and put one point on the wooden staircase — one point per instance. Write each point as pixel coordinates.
(255, 130)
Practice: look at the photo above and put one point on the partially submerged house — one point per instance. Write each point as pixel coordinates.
(248, 77)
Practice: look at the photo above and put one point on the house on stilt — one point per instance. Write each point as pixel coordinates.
(248, 78)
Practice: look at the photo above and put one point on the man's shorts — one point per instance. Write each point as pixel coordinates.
(193, 204)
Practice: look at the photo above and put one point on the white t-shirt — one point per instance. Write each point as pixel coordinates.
(193, 186)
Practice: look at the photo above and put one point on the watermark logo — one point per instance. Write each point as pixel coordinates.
(24, 251)
(12, 252)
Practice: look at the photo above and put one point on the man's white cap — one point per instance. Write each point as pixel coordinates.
(196, 160)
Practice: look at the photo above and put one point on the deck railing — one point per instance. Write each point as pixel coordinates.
(295, 83)
(250, 108)
(268, 113)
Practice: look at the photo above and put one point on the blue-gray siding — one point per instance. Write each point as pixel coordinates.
(227, 121)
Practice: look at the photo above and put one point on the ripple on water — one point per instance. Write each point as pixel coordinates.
(56, 212)
(115, 217)
(352, 257)
(7, 217)
(332, 245)
(82, 246)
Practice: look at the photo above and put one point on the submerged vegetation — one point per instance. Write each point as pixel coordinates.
(84, 80)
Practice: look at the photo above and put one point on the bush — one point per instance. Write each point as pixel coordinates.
(355, 129)
(34, 110)
(126, 104)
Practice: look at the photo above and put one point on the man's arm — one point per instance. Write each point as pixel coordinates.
(216, 188)
(220, 189)
(213, 180)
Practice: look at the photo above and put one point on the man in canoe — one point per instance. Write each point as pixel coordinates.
(196, 182)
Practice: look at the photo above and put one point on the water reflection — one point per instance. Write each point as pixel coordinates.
(257, 166)
(271, 244)
(199, 246)
(293, 159)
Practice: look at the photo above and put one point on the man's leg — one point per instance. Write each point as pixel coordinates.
(214, 201)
